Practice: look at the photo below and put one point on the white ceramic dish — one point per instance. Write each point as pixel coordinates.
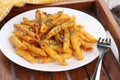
(90, 24)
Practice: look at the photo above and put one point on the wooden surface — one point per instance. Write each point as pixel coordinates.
(110, 68)
(106, 17)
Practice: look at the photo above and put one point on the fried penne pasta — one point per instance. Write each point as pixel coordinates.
(38, 19)
(28, 22)
(66, 42)
(21, 27)
(17, 43)
(78, 27)
(57, 48)
(25, 29)
(89, 36)
(63, 18)
(25, 55)
(44, 28)
(23, 36)
(81, 36)
(54, 45)
(75, 46)
(33, 54)
(46, 60)
(38, 22)
(53, 54)
(35, 50)
(58, 14)
(59, 37)
(85, 45)
(66, 55)
(50, 59)
(51, 38)
(58, 28)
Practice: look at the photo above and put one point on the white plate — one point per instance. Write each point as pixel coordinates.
(90, 23)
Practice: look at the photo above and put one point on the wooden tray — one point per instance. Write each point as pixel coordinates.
(110, 68)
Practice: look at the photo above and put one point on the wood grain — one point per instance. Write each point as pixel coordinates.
(108, 21)
(91, 67)
(21, 73)
(83, 5)
(78, 74)
(103, 75)
(39, 75)
(59, 76)
(5, 70)
(111, 66)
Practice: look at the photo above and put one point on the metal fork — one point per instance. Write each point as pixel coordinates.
(103, 46)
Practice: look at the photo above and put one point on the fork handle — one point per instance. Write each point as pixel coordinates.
(96, 74)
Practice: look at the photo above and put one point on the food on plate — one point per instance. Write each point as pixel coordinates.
(50, 38)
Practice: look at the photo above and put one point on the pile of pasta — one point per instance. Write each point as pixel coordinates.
(50, 38)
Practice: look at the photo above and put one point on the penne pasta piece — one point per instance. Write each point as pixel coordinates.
(38, 21)
(66, 55)
(66, 42)
(58, 28)
(81, 36)
(33, 54)
(50, 59)
(28, 22)
(38, 18)
(46, 60)
(59, 38)
(85, 45)
(21, 27)
(44, 28)
(78, 27)
(23, 37)
(25, 55)
(63, 18)
(17, 43)
(89, 36)
(54, 45)
(35, 50)
(57, 48)
(75, 46)
(25, 29)
(53, 54)
(58, 14)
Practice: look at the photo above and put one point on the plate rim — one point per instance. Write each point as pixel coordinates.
(42, 69)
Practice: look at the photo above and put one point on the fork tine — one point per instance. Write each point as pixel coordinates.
(99, 40)
(103, 40)
(109, 40)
